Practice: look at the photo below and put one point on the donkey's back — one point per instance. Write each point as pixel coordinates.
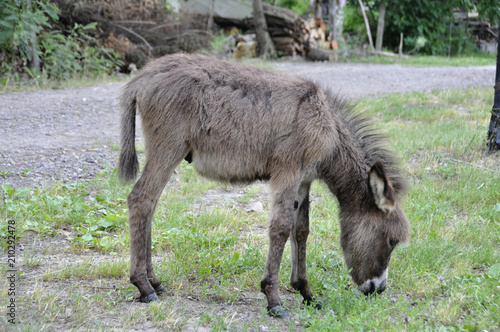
(236, 123)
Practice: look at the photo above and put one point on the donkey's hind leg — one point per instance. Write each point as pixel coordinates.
(298, 240)
(153, 279)
(142, 203)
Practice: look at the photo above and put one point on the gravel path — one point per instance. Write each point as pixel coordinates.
(71, 134)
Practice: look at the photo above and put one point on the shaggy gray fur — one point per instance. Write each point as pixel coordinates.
(239, 124)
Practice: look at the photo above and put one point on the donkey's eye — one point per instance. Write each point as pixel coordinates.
(393, 243)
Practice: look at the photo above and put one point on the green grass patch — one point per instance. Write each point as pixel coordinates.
(439, 61)
(15, 83)
(446, 278)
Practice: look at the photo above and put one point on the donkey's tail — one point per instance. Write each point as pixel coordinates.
(128, 164)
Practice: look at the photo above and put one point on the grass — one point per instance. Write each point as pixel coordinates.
(423, 60)
(13, 83)
(446, 278)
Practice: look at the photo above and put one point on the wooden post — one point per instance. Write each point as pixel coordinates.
(367, 24)
(494, 127)
(401, 45)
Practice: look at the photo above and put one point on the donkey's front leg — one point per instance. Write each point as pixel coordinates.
(279, 230)
(298, 240)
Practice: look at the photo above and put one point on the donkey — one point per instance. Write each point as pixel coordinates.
(239, 124)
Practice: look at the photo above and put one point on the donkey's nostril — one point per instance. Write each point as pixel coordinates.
(375, 284)
(381, 287)
(370, 288)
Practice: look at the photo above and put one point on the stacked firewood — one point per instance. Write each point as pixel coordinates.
(291, 34)
(288, 30)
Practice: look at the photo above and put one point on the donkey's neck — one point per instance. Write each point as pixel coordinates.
(345, 171)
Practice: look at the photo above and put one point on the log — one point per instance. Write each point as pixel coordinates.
(317, 54)
(390, 55)
(284, 14)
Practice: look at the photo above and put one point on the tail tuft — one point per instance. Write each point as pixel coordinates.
(128, 165)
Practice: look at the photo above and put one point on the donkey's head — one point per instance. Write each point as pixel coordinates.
(371, 230)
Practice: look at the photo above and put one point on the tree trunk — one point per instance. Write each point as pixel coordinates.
(493, 129)
(318, 10)
(332, 11)
(380, 27)
(34, 58)
(367, 24)
(210, 17)
(339, 19)
(265, 43)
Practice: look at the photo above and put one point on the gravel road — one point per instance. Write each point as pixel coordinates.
(71, 134)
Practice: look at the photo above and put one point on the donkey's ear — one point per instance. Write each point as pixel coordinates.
(381, 186)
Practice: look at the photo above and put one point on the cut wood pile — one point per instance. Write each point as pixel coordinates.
(483, 33)
(140, 29)
(291, 34)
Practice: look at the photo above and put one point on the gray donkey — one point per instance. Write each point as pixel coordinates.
(240, 124)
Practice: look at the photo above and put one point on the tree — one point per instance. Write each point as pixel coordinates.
(266, 44)
(380, 26)
(426, 23)
(332, 10)
(336, 18)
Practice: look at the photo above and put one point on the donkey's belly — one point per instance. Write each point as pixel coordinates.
(230, 169)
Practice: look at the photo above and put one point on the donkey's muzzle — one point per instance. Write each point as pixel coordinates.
(374, 285)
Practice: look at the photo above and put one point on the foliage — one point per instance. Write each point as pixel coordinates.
(428, 26)
(432, 20)
(20, 22)
(27, 30)
(65, 56)
(487, 9)
(298, 6)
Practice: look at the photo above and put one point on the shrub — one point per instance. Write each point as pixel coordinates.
(26, 32)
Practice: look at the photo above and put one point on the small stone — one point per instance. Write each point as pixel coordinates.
(256, 207)
(202, 329)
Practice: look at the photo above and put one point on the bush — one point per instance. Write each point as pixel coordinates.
(27, 34)
(428, 26)
(298, 6)
(65, 56)
(21, 22)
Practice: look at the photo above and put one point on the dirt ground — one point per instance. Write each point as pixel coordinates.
(71, 134)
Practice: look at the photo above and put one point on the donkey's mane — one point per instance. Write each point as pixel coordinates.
(371, 142)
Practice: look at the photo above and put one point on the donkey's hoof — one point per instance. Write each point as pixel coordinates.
(148, 298)
(318, 305)
(277, 312)
(314, 303)
(159, 289)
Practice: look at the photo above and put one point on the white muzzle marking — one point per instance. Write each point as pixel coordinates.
(375, 284)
